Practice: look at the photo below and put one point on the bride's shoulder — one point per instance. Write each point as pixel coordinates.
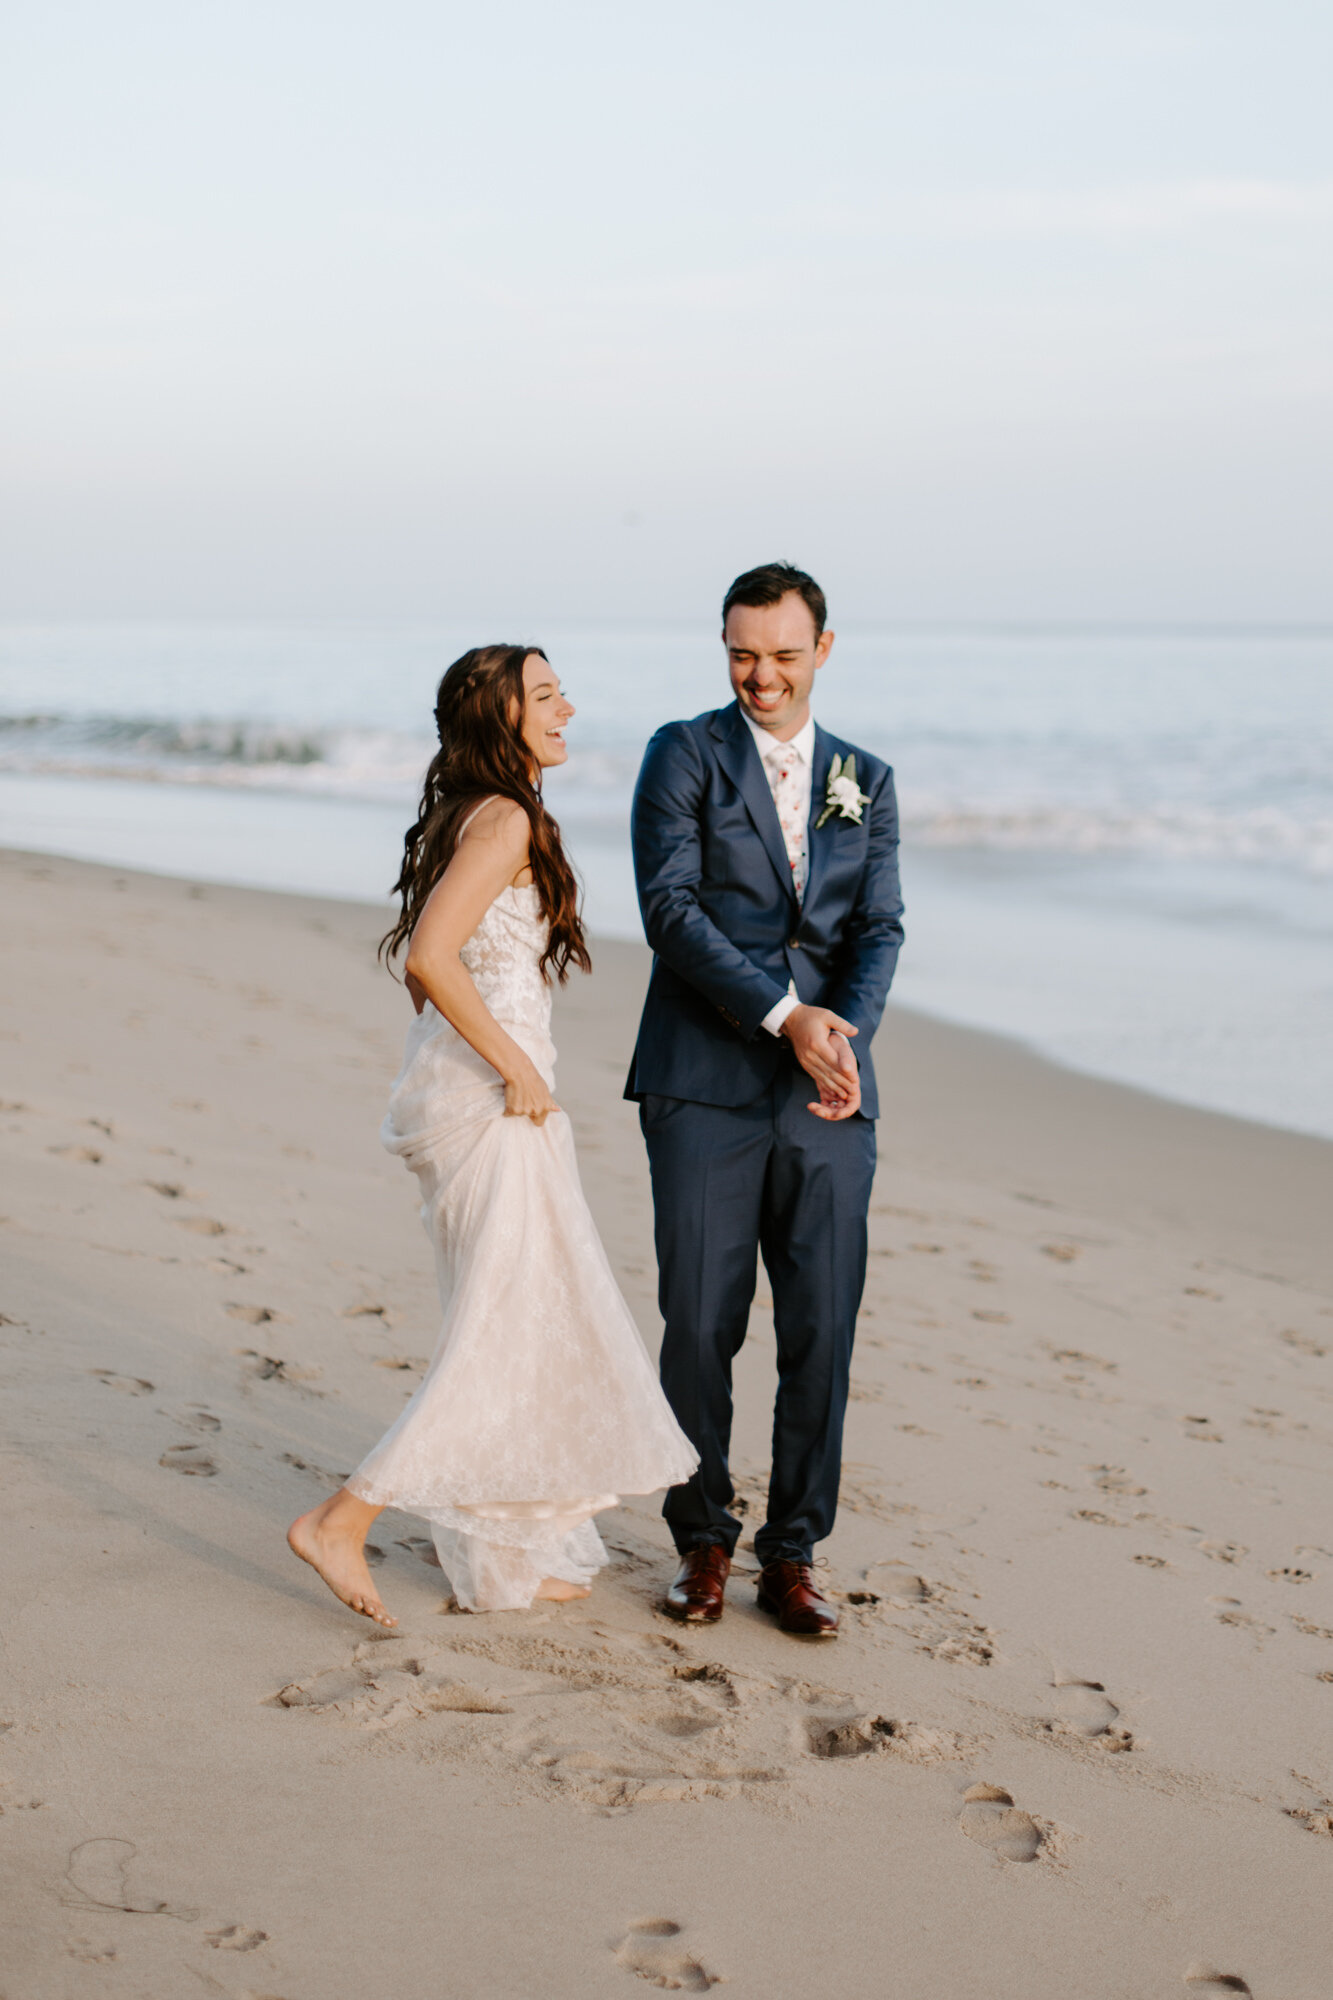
(498, 820)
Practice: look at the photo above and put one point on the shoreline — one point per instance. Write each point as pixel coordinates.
(1082, 1549)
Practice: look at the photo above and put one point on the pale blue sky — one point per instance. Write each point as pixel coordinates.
(561, 310)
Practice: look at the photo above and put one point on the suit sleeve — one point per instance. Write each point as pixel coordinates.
(873, 930)
(665, 827)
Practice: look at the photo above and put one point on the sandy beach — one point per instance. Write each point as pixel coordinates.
(1076, 1735)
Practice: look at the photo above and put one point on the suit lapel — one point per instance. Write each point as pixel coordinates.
(818, 844)
(740, 760)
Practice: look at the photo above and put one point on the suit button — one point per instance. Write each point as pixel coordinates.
(793, 944)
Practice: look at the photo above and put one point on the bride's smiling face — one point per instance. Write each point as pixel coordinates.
(545, 713)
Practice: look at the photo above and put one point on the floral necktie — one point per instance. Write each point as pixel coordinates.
(783, 769)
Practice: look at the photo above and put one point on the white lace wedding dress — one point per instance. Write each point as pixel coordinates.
(540, 1406)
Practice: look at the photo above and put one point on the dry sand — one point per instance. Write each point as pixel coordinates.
(1074, 1743)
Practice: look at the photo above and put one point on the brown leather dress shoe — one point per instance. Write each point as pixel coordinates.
(696, 1595)
(787, 1589)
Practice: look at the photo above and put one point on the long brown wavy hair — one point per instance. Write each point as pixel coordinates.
(479, 715)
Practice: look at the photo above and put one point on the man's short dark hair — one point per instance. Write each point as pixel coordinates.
(773, 581)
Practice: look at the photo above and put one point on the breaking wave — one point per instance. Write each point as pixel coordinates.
(1260, 834)
(353, 761)
(593, 790)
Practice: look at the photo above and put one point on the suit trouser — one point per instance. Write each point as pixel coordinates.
(767, 1177)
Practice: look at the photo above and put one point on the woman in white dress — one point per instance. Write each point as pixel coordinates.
(540, 1406)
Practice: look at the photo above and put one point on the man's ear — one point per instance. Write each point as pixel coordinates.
(823, 647)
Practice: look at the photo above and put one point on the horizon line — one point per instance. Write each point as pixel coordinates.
(1266, 627)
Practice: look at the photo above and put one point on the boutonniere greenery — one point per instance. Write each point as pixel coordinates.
(843, 795)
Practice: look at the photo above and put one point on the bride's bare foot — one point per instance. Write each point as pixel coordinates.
(556, 1588)
(331, 1538)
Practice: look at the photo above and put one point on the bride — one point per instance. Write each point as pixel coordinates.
(540, 1406)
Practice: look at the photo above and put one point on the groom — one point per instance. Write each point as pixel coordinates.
(765, 852)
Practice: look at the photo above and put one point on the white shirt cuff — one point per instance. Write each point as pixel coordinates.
(775, 1016)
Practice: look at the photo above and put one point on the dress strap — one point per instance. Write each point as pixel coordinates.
(473, 814)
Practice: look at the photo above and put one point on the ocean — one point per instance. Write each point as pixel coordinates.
(1117, 844)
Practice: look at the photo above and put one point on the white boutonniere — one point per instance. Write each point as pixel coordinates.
(843, 795)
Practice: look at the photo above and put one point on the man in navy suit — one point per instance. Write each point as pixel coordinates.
(766, 855)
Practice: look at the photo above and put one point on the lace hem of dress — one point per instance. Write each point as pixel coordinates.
(491, 1576)
(495, 1556)
(508, 1523)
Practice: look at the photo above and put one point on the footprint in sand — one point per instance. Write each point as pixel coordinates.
(330, 1689)
(1222, 1552)
(1302, 1342)
(195, 1418)
(379, 1694)
(319, 1471)
(254, 1315)
(896, 1581)
(1115, 1479)
(201, 1225)
(1077, 1359)
(881, 1735)
(652, 1950)
(1083, 1708)
(1204, 1982)
(84, 1154)
(685, 1723)
(717, 1680)
(1074, 1357)
(269, 1368)
(1230, 1613)
(991, 1818)
(130, 1385)
(190, 1459)
(859, 1737)
(235, 1937)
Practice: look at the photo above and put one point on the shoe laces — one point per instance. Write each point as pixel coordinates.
(806, 1570)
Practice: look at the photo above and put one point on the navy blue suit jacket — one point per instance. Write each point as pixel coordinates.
(721, 915)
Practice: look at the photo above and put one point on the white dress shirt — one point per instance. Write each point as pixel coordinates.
(789, 768)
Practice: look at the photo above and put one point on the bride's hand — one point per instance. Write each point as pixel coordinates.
(526, 1096)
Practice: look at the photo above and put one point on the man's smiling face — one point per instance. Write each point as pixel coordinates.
(773, 657)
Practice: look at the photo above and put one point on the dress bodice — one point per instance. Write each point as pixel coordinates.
(504, 955)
